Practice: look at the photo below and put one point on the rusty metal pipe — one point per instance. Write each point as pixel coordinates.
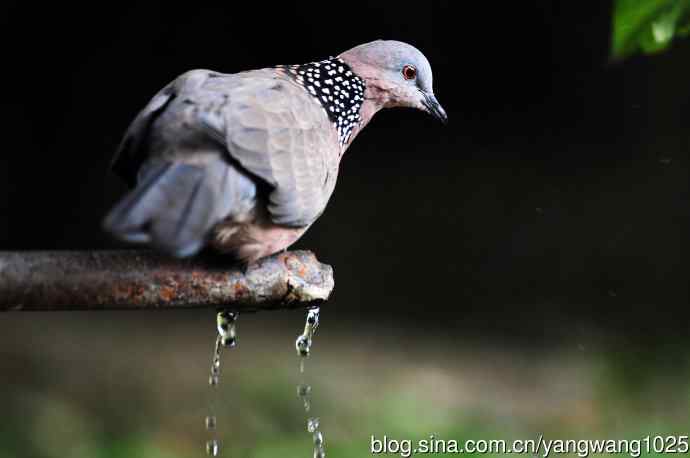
(129, 279)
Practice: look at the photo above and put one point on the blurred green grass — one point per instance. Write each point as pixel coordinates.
(114, 385)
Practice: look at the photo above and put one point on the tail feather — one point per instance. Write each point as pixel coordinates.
(173, 208)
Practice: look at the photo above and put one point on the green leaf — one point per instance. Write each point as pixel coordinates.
(648, 25)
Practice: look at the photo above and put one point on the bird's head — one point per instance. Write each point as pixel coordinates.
(396, 74)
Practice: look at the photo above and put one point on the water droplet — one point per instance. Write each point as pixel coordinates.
(214, 378)
(312, 424)
(301, 364)
(213, 447)
(227, 328)
(318, 439)
(304, 393)
(303, 390)
(303, 345)
(210, 422)
(229, 341)
(215, 360)
(313, 318)
(225, 319)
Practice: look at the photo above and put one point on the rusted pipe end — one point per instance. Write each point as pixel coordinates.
(130, 279)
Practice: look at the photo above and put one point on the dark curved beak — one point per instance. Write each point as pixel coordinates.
(434, 108)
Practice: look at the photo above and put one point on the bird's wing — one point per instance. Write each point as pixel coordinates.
(267, 124)
(279, 133)
(129, 156)
(135, 147)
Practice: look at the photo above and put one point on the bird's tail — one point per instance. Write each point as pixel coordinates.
(175, 205)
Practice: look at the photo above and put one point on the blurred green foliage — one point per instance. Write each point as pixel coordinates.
(648, 26)
(134, 393)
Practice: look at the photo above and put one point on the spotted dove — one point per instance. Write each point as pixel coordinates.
(246, 162)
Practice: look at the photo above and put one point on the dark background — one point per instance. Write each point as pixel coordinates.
(556, 200)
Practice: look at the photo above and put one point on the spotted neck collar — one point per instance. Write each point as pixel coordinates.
(337, 88)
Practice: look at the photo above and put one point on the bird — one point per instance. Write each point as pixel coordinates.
(245, 163)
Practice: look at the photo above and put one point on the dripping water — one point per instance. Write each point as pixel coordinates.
(213, 447)
(225, 338)
(304, 391)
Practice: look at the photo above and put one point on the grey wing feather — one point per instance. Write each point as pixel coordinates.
(132, 151)
(175, 204)
(268, 125)
(129, 157)
(276, 131)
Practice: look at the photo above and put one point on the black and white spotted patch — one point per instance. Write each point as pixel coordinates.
(339, 90)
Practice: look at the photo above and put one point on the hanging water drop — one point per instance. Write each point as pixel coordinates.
(304, 393)
(313, 318)
(319, 446)
(318, 439)
(312, 424)
(303, 345)
(213, 447)
(226, 324)
(303, 342)
(214, 378)
(210, 423)
(303, 390)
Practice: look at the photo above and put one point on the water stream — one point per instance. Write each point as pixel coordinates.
(303, 346)
(226, 338)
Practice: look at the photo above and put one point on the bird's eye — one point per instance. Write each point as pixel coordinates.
(409, 72)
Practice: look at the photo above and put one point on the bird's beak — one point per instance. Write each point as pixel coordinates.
(434, 108)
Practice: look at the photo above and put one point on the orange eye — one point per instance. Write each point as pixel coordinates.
(409, 72)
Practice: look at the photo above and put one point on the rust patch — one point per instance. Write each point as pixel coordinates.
(240, 289)
(294, 264)
(167, 293)
(126, 292)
